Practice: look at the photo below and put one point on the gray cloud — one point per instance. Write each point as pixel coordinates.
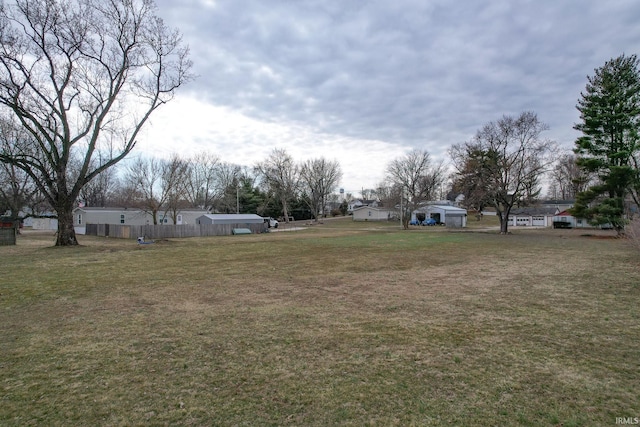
(412, 73)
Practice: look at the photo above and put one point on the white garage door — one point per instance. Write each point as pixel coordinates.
(537, 220)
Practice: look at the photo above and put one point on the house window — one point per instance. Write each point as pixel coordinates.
(122, 219)
(369, 213)
(79, 219)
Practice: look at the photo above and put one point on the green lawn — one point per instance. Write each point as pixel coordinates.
(339, 324)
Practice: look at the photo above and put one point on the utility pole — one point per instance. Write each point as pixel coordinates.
(237, 197)
(401, 210)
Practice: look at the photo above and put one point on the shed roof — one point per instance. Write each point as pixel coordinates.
(447, 208)
(239, 217)
(375, 208)
(101, 209)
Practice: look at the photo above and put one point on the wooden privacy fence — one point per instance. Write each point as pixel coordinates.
(7, 236)
(168, 231)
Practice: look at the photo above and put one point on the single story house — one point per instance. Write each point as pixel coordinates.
(231, 219)
(130, 216)
(565, 220)
(451, 216)
(371, 213)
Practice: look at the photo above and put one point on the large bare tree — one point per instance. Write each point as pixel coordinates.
(158, 185)
(99, 191)
(18, 191)
(227, 188)
(502, 164)
(82, 77)
(388, 195)
(175, 172)
(280, 175)
(319, 178)
(417, 178)
(567, 179)
(200, 184)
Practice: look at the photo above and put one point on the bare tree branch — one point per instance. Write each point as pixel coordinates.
(82, 77)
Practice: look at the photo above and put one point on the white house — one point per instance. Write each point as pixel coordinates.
(371, 213)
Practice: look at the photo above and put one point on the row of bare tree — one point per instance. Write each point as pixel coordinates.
(79, 79)
(501, 167)
(204, 181)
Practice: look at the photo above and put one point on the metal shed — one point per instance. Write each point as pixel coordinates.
(229, 219)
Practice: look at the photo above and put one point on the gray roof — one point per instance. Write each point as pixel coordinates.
(238, 217)
(535, 210)
(129, 209)
(447, 208)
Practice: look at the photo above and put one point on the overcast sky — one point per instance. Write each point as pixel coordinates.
(363, 82)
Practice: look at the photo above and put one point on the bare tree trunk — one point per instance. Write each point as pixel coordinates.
(504, 226)
(285, 211)
(504, 221)
(66, 232)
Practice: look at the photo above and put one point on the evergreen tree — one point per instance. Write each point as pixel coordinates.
(609, 147)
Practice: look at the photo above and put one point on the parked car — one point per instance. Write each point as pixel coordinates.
(271, 223)
(414, 222)
(429, 221)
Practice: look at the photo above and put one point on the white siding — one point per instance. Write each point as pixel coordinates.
(371, 214)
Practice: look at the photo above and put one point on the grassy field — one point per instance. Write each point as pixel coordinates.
(336, 324)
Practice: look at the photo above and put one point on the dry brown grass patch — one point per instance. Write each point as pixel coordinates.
(330, 326)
